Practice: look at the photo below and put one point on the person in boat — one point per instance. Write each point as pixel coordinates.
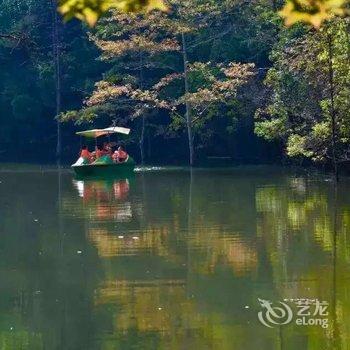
(98, 152)
(84, 153)
(120, 156)
(104, 155)
(107, 150)
(84, 156)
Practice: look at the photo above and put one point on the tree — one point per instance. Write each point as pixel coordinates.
(156, 38)
(28, 103)
(211, 89)
(131, 48)
(309, 103)
(56, 51)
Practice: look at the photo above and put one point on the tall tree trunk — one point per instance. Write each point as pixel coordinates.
(56, 42)
(143, 123)
(332, 107)
(142, 140)
(188, 106)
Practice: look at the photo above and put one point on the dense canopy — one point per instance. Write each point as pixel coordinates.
(197, 81)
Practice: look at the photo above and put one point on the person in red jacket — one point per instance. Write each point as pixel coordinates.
(120, 155)
(85, 153)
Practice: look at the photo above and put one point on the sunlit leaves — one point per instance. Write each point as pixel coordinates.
(165, 81)
(106, 91)
(112, 49)
(270, 129)
(91, 10)
(216, 87)
(297, 146)
(214, 84)
(313, 12)
(85, 10)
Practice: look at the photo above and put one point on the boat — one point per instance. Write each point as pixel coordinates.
(103, 167)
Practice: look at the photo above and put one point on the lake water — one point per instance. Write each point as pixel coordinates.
(173, 259)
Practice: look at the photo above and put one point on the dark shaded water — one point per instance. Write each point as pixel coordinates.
(173, 260)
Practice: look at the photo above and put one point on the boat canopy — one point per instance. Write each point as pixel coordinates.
(101, 132)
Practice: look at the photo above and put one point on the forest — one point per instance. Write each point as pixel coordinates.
(202, 83)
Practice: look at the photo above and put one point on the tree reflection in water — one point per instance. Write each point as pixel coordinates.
(171, 260)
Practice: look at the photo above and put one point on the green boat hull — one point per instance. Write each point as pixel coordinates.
(101, 170)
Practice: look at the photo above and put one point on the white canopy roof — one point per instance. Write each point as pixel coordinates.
(101, 132)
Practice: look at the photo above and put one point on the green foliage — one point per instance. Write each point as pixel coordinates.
(90, 10)
(271, 129)
(314, 12)
(299, 110)
(27, 97)
(297, 146)
(231, 48)
(146, 42)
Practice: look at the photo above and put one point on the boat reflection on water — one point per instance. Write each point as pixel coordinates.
(89, 189)
(112, 216)
(106, 199)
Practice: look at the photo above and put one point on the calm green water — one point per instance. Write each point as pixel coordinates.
(173, 260)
